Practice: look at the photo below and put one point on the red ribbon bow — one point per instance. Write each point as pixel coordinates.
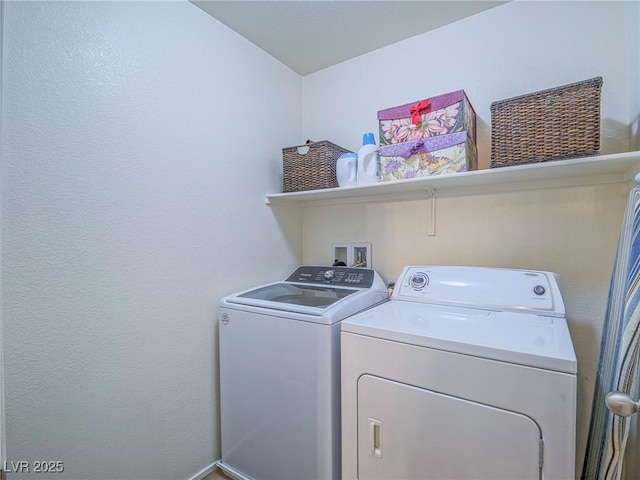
(416, 109)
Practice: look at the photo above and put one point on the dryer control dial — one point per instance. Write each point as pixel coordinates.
(419, 281)
(539, 290)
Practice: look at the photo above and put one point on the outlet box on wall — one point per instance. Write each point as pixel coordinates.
(352, 254)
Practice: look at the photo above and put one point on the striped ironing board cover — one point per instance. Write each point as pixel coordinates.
(618, 362)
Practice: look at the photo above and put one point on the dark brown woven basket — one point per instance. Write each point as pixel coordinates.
(310, 167)
(554, 124)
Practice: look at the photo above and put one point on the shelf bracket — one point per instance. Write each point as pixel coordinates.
(431, 212)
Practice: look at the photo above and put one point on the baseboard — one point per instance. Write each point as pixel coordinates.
(231, 472)
(206, 471)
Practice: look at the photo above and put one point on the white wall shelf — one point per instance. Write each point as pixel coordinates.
(614, 168)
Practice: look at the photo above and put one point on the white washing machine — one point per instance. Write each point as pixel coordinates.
(280, 372)
(466, 374)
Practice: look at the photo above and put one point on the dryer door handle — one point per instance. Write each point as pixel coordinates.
(375, 438)
(622, 404)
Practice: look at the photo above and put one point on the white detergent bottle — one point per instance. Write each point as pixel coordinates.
(368, 161)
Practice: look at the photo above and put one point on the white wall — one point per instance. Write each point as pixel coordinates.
(3, 447)
(139, 140)
(516, 48)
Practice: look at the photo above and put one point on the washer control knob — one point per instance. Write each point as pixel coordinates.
(328, 275)
(539, 290)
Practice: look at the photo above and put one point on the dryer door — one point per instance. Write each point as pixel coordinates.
(413, 433)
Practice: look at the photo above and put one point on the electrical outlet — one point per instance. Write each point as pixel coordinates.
(352, 254)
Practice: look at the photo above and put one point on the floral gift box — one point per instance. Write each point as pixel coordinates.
(439, 155)
(441, 115)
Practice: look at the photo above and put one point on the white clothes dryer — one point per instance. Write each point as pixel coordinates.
(280, 372)
(468, 373)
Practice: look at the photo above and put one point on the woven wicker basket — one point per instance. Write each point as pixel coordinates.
(554, 124)
(310, 167)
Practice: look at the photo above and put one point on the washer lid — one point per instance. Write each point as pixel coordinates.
(311, 299)
(317, 294)
(521, 338)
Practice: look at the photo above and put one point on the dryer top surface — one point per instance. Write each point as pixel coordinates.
(520, 338)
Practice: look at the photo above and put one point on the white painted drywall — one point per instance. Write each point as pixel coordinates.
(3, 445)
(139, 140)
(516, 48)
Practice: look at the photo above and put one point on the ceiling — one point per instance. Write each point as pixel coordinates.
(309, 35)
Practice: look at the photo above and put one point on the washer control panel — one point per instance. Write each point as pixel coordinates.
(481, 287)
(343, 276)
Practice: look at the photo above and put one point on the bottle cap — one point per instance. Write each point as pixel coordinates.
(368, 139)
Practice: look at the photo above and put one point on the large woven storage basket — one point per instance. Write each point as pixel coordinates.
(554, 124)
(310, 167)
